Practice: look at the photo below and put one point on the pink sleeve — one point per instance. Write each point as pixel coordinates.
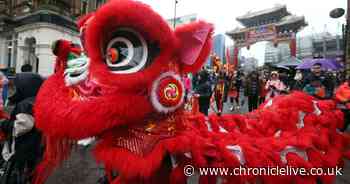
(267, 84)
(281, 86)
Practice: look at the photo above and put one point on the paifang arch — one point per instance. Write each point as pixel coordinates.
(276, 24)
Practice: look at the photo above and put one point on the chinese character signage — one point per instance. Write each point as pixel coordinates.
(261, 33)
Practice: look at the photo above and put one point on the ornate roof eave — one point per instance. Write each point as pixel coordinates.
(251, 15)
(41, 11)
(236, 31)
(291, 19)
(35, 17)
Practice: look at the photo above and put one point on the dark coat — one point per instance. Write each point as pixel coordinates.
(248, 90)
(325, 80)
(28, 147)
(203, 87)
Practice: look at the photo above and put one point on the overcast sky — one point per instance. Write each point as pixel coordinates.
(222, 14)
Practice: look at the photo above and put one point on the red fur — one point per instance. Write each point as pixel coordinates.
(56, 151)
(123, 103)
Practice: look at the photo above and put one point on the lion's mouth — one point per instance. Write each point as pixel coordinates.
(77, 71)
(85, 90)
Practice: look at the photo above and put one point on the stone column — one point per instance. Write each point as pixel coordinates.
(324, 44)
(3, 47)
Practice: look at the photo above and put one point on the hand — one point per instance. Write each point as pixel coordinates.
(272, 87)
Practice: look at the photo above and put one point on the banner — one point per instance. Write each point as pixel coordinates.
(261, 33)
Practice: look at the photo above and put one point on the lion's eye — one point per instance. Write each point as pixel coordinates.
(128, 52)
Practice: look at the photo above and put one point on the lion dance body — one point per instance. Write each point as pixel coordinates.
(127, 92)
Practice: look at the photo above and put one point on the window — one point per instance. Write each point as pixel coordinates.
(99, 3)
(9, 50)
(84, 7)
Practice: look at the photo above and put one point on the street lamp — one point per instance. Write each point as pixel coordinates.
(176, 1)
(337, 13)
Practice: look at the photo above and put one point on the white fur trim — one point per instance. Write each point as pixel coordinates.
(277, 134)
(78, 66)
(154, 97)
(222, 129)
(70, 81)
(317, 110)
(208, 126)
(291, 149)
(188, 155)
(269, 103)
(237, 152)
(301, 123)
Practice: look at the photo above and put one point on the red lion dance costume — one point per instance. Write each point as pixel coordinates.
(129, 95)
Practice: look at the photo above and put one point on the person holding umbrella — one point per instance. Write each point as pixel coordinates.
(274, 86)
(318, 75)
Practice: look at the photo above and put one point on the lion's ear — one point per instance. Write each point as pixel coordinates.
(84, 19)
(195, 41)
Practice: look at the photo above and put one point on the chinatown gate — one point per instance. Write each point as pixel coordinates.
(276, 25)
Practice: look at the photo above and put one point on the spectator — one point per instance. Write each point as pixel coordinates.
(220, 91)
(342, 96)
(263, 91)
(318, 75)
(298, 81)
(274, 86)
(26, 68)
(3, 89)
(252, 90)
(203, 91)
(341, 77)
(283, 76)
(234, 89)
(316, 89)
(22, 149)
(187, 85)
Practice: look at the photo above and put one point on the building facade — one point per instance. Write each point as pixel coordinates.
(328, 46)
(219, 46)
(248, 64)
(182, 20)
(322, 45)
(29, 27)
(218, 49)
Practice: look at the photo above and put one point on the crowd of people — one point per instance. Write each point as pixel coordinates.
(236, 88)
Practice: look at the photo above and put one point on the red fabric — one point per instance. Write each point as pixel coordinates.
(342, 94)
(63, 50)
(82, 20)
(233, 93)
(291, 124)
